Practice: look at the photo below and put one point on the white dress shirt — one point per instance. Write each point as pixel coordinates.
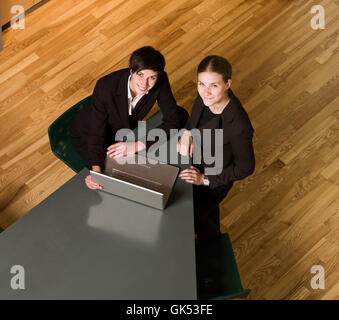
(132, 102)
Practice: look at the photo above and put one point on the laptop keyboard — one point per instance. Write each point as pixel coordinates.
(142, 182)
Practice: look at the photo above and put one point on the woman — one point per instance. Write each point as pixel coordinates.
(120, 100)
(216, 107)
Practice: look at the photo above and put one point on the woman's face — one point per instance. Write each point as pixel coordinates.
(143, 81)
(212, 88)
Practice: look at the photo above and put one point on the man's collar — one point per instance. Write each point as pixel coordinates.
(129, 94)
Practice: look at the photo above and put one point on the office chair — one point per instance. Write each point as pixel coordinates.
(60, 142)
(217, 273)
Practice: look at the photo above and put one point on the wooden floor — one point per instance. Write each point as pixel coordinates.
(284, 218)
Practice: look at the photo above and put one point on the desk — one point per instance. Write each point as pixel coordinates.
(85, 244)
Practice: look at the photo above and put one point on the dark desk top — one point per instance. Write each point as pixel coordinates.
(84, 244)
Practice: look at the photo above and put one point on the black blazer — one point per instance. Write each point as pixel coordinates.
(238, 154)
(109, 113)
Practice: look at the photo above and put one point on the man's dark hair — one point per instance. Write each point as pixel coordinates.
(216, 64)
(147, 58)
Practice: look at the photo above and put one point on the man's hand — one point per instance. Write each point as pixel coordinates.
(90, 183)
(122, 149)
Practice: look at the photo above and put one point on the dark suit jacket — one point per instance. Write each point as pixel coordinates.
(109, 113)
(238, 154)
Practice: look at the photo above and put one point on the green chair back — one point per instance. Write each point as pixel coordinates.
(59, 139)
(217, 273)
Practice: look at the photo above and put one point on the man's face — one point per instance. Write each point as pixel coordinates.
(143, 81)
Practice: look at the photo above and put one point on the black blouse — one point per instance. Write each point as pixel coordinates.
(207, 116)
(238, 154)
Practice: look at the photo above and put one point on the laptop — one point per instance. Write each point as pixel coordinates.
(138, 178)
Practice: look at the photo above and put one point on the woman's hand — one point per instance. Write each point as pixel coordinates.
(192, 175)
(185, 144)
(122, 149)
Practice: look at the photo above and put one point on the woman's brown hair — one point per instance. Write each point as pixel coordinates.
(216, 64)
